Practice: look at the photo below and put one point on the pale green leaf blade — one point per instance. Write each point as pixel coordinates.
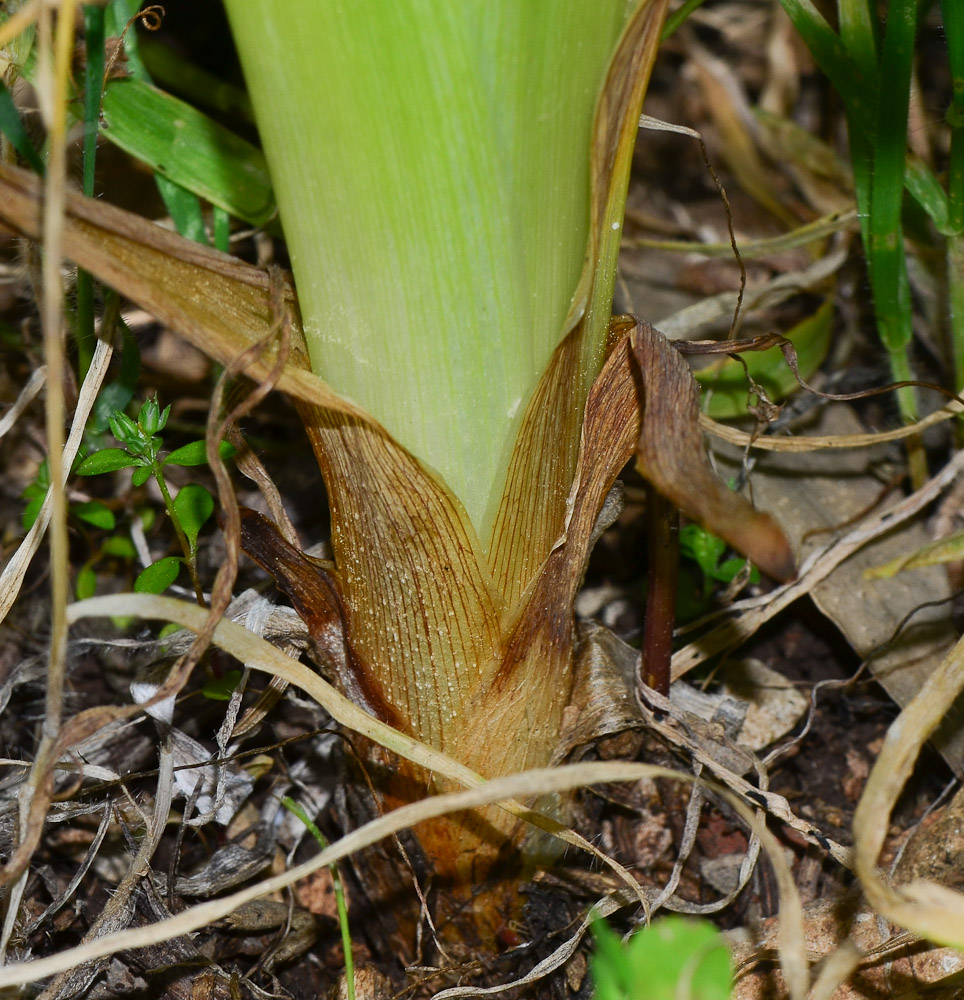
(190, 149)
(437, 213)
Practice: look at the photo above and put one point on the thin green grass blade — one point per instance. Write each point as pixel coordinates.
(678, 17)
(342, 908)
(925, 189)
(222, 229)
(182, 205)
(833, 58)
(93, 82)
(173, 72)
(189, 149)
(858, 35)
(11, 126)
(856, 88)
(953, 13)
(859, 41)
(885, 249)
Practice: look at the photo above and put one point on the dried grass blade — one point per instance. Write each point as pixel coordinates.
(926, 908)
(220, 304)
(501, 791)
(11, 579)
(257, 653)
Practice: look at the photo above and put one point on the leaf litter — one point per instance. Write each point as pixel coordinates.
(611, 710)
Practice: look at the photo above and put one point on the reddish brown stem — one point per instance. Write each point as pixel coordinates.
(662, 532)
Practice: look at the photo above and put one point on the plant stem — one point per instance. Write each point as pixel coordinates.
(190, 552)
(295, 807)
(662, 537)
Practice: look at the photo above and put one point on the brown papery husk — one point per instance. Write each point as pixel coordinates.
(507, 716)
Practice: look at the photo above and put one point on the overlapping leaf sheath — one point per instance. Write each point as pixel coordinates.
(436, 648)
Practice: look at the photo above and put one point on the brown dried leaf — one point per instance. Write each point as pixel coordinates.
(420, 611)
(670, 454)
(314, 593)
(218, 303)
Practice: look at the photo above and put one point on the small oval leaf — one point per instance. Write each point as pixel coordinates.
(157, 577)
(141, 475)
(105, 460)
(195, 453)
(221, 688)
(190, 454)
(193, 505)
(119, 546)
(86, 583)
(95, 513)
(31, 512)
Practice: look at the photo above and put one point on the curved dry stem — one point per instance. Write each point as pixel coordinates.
(821, 442)
(926, 908)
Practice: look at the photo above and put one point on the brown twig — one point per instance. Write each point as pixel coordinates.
(662, 534)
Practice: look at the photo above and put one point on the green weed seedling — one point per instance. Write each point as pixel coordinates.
(707, 552)
(189, 510)
(672, 959)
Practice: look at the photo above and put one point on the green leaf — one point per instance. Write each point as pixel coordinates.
(86, 583)
(189, 148)
(31, 512)
(93, 84)
(221, 688)
(119, 546)
(141, 475)
(95, 513)
(157, 577)
(195, 453)
(12, 127)
(729, 568)
(193, 505)
(673, 957)
(184, 208)
(105, 460)
(929, 194)
(148, 516)
(702, 547)
(113, 396)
